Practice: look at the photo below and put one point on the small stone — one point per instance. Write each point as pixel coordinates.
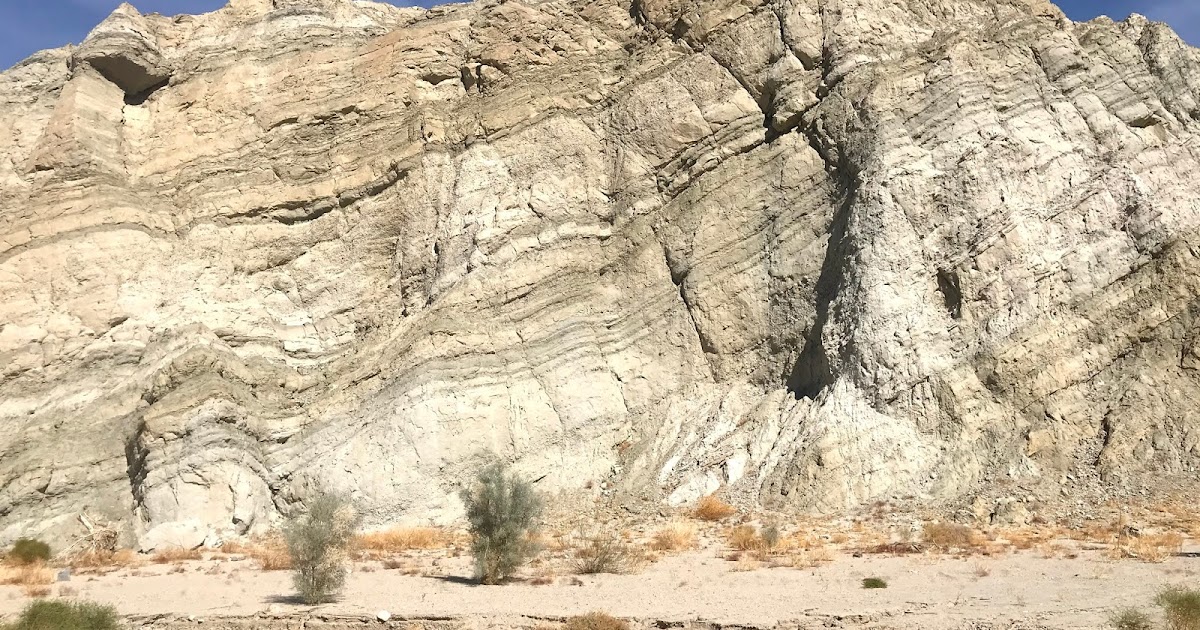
(383, 615)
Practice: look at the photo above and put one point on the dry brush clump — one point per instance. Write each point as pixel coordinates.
(595, 621)
(173, 555)
(318, 543)
(710, 508)
(33, 578)
(401, 539)
(948, 537)
(98, 559)
(744, 538)
(1149, 547)
(605, 551)
(501, 512)
(1131, 619)
(675, 537)
(269, 550)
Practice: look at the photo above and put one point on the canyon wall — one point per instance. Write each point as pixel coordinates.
(809, 254)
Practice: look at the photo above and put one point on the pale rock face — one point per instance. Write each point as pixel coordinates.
(809, 253)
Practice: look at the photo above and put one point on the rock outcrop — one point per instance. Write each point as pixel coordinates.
(807, 253)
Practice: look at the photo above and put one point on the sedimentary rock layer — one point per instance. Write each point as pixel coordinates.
(807, 253)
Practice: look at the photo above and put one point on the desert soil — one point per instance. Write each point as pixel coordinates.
(1024, 589)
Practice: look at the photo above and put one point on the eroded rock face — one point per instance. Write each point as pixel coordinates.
(812, 253)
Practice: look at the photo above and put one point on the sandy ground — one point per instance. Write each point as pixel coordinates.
(925, 591)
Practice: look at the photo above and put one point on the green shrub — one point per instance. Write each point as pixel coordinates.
(874, 582)
(29, 551)
(501, 509)
(1131, 619)
(771, 536)
(1181, 608)
(319, 544)
(59, 615)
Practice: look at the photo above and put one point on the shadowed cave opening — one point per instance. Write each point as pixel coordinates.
(951, 290)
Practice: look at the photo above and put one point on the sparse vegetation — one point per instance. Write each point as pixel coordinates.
(1150, 547)
(60, 615)
(92, 559)
(398, 539)
(1181, 608)
(175, 554)
(270, 551)
(744, 538)
(603, 552)
(710, 508)
(1131, 619)
(319, 543)
(674, 537)
(771, 536)
(28, 551)
(948, 535)
(874, 582)
(501, 510)
(27, 575)
(595, 621)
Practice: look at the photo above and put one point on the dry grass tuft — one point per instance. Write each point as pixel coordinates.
(1149, 547)
(710, 508)
(97, 559)
(27, 575)
(603, 552)
(745, 538)
(399, 539)
(949, 536)
(35, 591)
(270, 551)
(595, 621)
(674, 537)
(174, 555)
(804, 559)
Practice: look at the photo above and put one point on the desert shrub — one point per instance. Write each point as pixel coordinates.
(319, 545)
(27, 575)
(771, 536)
(29, 551)
(269, 550)
(501, 510)
(1150, 547)
(710, 508)
(948, 535)
(744, 538)
(172, 555)
(60, 615)
(674, 537)
(1131, 619)
(874, 582)
(399, 539)
(1181, 608)
(595, 621)
(603, 552)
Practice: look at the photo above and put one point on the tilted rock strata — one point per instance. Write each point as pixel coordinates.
(813, 252)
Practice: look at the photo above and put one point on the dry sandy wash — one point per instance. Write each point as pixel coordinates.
(1039, 577)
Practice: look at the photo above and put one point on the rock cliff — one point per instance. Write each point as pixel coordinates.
(807, 253)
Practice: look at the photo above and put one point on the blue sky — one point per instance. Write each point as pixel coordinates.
(27, 26)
